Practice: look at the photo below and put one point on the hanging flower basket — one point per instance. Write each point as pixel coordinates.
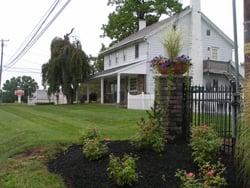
(174, 66)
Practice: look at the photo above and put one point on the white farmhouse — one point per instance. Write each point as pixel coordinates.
(126, 64)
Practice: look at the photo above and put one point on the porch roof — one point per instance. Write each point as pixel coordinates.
(134, 68)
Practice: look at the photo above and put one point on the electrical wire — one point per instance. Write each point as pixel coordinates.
(37, 35)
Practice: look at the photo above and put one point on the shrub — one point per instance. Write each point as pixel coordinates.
(93, 147)
(92, 96)
(209, 177)
(151, 132)
(123, 170)
(205, 144)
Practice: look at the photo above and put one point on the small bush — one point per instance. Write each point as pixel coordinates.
(209, 177)
(123, 170)
(205, 144)
(92, 96)
(93, 147)
(151, 132)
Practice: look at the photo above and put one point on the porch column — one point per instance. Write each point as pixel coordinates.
(118, 88)
(102, 90)
(88, 92)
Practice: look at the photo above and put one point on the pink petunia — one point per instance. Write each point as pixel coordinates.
(190, 174)
(211, 172)
(107, 139)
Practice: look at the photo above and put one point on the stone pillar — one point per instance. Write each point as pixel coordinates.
(174, 99)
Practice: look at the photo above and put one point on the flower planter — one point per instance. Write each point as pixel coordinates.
(177, 68)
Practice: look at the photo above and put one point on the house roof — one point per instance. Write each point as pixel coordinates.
(147, 31)
(122, 69)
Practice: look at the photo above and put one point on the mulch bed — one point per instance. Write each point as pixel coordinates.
(78, 172)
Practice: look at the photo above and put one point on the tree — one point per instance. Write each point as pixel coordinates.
(67, 67)
(124, 20)
(25, 83)
(98, 62)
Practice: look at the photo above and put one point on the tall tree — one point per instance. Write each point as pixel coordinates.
(67, 67)
(124, 20)
(25, 83)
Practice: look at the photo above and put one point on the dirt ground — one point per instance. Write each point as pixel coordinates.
(155, 170)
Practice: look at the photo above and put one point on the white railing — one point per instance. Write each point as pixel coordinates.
(141, 101)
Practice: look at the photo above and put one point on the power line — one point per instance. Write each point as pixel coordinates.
(37, 35)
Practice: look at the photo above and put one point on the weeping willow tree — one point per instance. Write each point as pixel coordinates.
(67, 67)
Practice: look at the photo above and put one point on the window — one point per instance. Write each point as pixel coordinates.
(133, 84)
(214, 53)
(208, 32)
(136, 50)
(110, 58)
(124, 55)
(116, 58)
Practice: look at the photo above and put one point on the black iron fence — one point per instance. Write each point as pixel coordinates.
(216, 107)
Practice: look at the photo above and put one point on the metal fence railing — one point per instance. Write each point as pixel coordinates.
(216, 107)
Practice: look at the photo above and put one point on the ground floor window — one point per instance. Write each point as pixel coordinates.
(133, 84)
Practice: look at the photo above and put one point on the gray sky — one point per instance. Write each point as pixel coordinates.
(19, 18)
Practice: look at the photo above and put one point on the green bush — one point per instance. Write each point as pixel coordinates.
(123, 170)
(209, 177)
(93, 147)
(205, 144)
(151, 132)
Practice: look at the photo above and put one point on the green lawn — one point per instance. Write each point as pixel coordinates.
(23, 127)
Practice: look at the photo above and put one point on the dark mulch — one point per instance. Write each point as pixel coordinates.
(78, 172)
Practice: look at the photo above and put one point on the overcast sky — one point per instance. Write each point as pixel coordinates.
(19, 18)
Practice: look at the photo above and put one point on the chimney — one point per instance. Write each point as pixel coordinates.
(142, 24)
(196, 42)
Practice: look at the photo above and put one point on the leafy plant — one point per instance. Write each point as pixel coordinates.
(243, 141)
(205, 144)
(90, 134)
(123, 170)
(210, 176)
(172, 42)
(151, 131)
(93, 147)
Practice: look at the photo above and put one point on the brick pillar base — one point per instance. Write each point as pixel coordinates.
(172, 93)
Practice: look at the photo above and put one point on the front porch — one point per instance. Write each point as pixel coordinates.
(116, 83)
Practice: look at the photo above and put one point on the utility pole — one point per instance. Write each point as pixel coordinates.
(247, 37)
(1, 64)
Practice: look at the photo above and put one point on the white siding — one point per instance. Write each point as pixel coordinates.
(129, 52)
(215, 40)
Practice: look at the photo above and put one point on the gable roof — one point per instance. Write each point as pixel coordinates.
(144, 33)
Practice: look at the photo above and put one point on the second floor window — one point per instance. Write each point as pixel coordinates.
(110, 58)
(136, 50)
(214, 53)
(116, 58)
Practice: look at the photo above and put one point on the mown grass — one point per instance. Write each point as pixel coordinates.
(52, 127)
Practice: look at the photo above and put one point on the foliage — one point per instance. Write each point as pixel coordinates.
(210, 176)
(98, 62)
(205, 144)
(151, 132)
(67, 68)
(172, 42)
(93, 148)
(166, 62)
(25, 83)
(124, 20)
(123, 170)
(243, 141)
